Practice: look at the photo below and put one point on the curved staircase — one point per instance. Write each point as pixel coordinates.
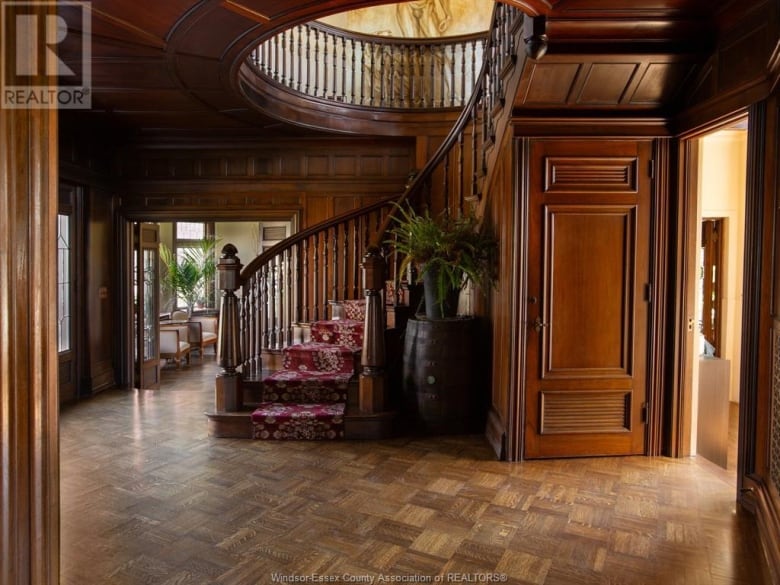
(341, 382)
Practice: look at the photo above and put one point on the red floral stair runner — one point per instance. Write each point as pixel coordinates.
(306, 399)
(342, 332)
(317, 356)
(309, 422)
(306, 387)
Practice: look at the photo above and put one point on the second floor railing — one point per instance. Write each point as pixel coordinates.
(372, 71)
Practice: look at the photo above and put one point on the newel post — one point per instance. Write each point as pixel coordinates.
(372, 375)
(228, 388)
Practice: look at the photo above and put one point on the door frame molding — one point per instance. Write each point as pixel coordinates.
(679, 400)
(662, 177)
(74, 208)
(516, 424)
(124, 260)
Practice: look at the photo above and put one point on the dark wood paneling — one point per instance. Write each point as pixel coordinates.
(584, 82)
(739, 71)
(606, 83)
(317, 179)
(203, 45)
(760, 360)
(101, 313)
(86, 165)
(501, 214)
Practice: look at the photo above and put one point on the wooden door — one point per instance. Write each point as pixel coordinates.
(146, 257)
(588, 289)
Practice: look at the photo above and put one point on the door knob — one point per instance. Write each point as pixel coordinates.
(539, 324)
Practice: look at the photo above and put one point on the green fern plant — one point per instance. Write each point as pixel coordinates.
(187, 277)
(455, 249)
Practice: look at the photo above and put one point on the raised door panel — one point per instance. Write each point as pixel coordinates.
(589, 255)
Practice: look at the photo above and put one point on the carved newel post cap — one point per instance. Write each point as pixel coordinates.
(373, 270)
(228, 268)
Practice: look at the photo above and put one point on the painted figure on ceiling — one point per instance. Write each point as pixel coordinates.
(424, 18)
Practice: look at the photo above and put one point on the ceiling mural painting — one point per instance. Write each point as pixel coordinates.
(417, 19)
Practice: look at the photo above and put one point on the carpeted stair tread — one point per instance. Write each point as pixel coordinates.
(320, 357)
(303, 387)
(346, 332)
(284, 421)
(305, 400)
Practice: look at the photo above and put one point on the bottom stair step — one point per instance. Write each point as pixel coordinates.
(308, 422)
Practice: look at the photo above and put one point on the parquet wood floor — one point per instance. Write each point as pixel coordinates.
(149, 498)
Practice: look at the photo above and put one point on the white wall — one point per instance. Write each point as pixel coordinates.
(724, 157)
(242, 234)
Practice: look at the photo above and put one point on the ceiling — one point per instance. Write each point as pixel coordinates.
(171, 66)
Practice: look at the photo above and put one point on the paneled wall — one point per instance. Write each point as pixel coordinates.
(501, 213)
(314, 180)
(87, 164)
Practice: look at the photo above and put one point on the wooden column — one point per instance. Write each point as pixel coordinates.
(228, 386)
(29, 446)
(372, 375)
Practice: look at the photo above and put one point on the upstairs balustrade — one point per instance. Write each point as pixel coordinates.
(372, 71)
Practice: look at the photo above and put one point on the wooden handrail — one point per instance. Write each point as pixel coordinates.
(298, 237)
(293, 282)
(454, 39)
(490, 72)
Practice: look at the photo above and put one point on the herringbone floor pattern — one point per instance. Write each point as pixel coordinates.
(148, 498)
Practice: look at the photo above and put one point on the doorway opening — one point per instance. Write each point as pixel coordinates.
(180, 235)
(717, 168)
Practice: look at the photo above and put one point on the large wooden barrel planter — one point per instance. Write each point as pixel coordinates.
(438, 376)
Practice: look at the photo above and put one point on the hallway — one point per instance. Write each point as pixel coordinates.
(148, 498)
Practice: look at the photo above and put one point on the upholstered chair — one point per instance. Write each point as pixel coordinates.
(203, 332)
(174, 344)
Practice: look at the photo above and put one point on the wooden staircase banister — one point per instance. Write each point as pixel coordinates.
(346, 256)
(420, 179)
(486, 100)
(308, 232)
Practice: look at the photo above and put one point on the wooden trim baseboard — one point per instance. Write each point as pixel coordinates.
(495, 433)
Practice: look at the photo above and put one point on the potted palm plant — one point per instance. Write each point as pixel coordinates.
(448, 251)
(186, 277)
